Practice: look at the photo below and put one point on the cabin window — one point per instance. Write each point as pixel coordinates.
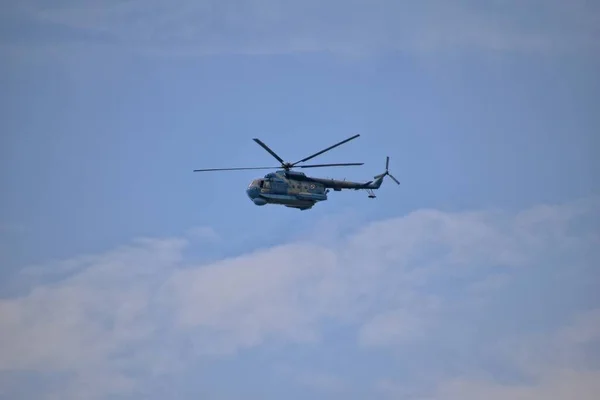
(267, 184)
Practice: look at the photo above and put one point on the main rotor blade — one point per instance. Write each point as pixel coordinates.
(232, 169)
(327, 149)
(328, 165)
(264, 146)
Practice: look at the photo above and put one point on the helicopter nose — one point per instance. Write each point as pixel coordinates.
(252, 192)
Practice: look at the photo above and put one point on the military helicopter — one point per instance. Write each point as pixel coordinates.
(296, 190)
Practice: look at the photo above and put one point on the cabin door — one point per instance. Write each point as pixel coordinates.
(278, 187)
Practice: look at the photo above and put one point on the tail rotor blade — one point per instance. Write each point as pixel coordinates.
(387, 163)
(395, 180)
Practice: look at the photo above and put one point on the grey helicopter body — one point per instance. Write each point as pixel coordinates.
(295, 189)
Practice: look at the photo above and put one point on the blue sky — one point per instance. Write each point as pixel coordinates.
(125, 275)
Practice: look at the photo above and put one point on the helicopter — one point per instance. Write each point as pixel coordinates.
(294, 189)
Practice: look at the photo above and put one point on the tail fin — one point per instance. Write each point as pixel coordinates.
(379, 178)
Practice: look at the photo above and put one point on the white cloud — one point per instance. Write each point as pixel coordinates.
(241, 302)
(203, 234)
(143, 310)
(586, 328)
(390, 328)
(549, 377)
(351, 27)
(557, 385)
(566, 349)
(82, 320)
(554, 364)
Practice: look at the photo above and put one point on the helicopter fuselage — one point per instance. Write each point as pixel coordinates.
(296, 190)
(281, 188)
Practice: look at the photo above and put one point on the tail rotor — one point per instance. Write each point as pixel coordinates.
(387, 172)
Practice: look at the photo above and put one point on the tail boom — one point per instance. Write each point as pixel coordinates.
(338, 185)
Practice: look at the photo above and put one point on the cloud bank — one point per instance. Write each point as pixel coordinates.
(348, 27)
(467, 305)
